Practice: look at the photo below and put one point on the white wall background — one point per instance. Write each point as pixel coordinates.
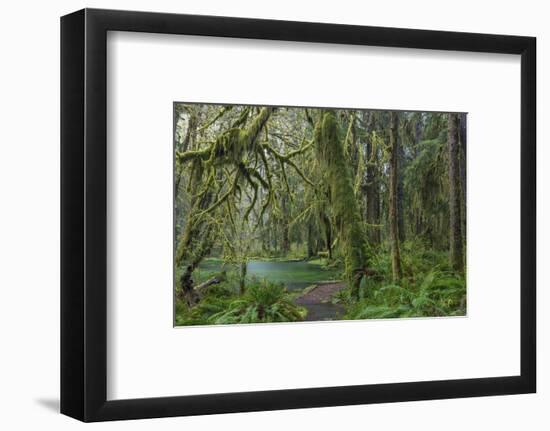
(29, 220)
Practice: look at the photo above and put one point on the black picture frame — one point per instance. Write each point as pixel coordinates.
(84, 214)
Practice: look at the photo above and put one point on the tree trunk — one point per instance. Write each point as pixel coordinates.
(242, 277)
(419, 228)
(195, 239)
(188, 141)
(328, 235)
(372, 191)
(456, 256)
(191, 133)
(400, 192)
(345, 208)
(195, 252)
(310, 240)
(188, 294)
(285, 240)
(463, 182)
(392, 200)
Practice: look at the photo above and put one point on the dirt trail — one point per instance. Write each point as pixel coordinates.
(320, 294)
(318, 304)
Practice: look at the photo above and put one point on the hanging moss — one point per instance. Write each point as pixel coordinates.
(344, 205)
(237, 162)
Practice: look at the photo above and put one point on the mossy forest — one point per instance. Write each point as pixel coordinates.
(286, 214)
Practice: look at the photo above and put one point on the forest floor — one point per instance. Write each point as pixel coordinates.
(318, 301)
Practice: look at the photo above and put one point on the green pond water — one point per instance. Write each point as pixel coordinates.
(294, 274)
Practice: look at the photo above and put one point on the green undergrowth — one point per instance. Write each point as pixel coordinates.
(429, 288)
(262, 302)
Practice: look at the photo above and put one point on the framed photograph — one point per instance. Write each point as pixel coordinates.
(261, 215)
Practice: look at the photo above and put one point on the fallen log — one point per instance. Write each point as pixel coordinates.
(214, 280)
(193, 294)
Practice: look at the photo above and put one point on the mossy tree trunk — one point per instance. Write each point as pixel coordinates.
(372, 188)
(195, 242)
(285, 237)
(393, 215)
(201, 248)
(456, 253)
(183, 144)
(400, 191)
(463, 182)
(344, 206)
(328, 235)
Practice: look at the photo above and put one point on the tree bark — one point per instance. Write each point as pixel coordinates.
(392, 200)
(456, 255)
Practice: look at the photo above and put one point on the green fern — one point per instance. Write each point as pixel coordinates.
(437, 293)
(262, 302)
